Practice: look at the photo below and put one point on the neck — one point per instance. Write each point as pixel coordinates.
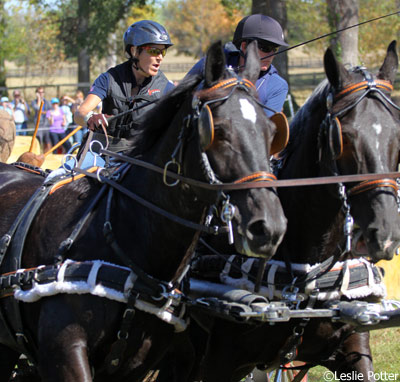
(140, 75)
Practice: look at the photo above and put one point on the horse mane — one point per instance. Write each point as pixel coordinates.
(313, 108)
(158, 119)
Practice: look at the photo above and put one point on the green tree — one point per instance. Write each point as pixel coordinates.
(305, 21)
(84, 27)
(195, 24)
(376, 36)
(2, 40)
(232, 6)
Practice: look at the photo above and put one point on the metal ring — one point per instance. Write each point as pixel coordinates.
(171, 162)
(64, 160)
(164, 290)
(74, 147)
(91, 147)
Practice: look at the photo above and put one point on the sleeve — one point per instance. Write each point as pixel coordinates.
(100, 86)
(197, 69)
(273, 94)
(168, 87)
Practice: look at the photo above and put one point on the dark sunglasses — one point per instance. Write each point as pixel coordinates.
(268, 48)
(155, 52)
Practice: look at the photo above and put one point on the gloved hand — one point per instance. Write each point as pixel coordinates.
(96, 121)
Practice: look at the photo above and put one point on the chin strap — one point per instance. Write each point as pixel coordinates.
(135, 65)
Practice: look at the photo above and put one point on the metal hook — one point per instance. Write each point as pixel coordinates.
(98, 173)
(227, 214)
(64, 161)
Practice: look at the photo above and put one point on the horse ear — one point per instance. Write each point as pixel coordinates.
(390, 65)
(215, 64)
(335, 71)
(252, 67)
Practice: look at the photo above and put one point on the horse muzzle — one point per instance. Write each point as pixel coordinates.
(260, 237)
(375, 248)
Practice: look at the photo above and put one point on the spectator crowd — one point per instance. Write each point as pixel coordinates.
(56, 117)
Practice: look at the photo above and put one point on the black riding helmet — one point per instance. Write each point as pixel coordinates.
(259, 27)
(146, 32)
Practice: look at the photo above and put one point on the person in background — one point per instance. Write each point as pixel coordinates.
(79, 98)
(43, 134)
(58, 123)
(66, 105)
(5, 105)
(272, 88)
(21, 112)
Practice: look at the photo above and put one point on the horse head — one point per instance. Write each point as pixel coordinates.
(233, 138)
(360, 135)
(349, 125)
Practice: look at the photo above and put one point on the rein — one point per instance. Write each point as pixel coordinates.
(103, 179)
(259, 182)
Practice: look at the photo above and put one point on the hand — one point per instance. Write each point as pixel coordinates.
(97, 121)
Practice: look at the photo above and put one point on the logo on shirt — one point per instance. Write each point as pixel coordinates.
(152, 91)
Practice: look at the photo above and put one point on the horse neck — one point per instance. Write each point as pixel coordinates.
(160, 243)
(310, 210)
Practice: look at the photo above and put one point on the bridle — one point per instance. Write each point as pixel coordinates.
(330, 138)
(201, 118)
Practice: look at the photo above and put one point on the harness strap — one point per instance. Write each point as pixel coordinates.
(257, 177)
(19, 230)
(114, 357)
(289, 351)
(382, 84)
(229, 83)
(67, 243)
(208, 229)
(370, 185)
(6, 239)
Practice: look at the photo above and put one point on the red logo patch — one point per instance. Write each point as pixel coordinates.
(151, 91)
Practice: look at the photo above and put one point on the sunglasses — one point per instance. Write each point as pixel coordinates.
(268, 48)
(155, 52)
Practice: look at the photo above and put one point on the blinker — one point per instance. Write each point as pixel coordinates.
(281, 137)
(205, 126)
(329, 101)
(335, 138)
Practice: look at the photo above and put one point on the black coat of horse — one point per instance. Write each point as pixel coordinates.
(71, 335)
(347, 126)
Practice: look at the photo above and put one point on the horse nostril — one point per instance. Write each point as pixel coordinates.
(256, 229)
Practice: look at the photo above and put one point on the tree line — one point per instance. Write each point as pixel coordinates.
(44, 33)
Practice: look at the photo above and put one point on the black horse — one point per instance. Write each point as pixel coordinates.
(120, 246)
(347, 126)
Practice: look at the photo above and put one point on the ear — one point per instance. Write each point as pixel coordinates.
(215, 64)
(335, 71)
(390, 65)
(252, 66)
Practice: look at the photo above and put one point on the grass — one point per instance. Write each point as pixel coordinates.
(385, 347)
